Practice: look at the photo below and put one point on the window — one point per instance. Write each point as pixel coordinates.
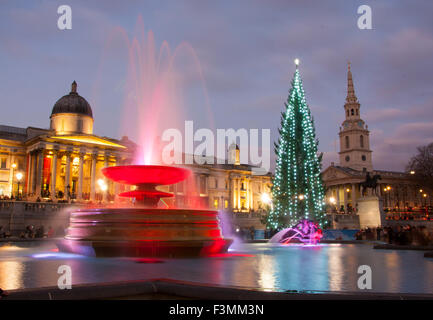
(357, 112)
(215, 203)
(347, 158)
(347, 112)
(226, 204)
(361, 141)
(3, 163)
(352, 112)
(347, 142)
(364, 158)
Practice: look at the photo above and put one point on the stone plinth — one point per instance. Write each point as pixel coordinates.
(370, 212)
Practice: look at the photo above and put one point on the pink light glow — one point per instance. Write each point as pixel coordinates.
(305, 231)
(156, 84)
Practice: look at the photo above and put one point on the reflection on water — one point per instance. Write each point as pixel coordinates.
(264, 266)
(335, 267)
(11, 274)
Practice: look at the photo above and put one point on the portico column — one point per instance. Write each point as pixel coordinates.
(29, 174)
(345, 199)
(353, 196)
(93, 177)
(105, 193)
(234, 193)
(239, 193)
(337, 196)
(116, 185)
(251, 197)
(247, 184)
(68, 173)
(39, 173)
(34, 171)
(12, 172)
(53, 175)
(80, 177)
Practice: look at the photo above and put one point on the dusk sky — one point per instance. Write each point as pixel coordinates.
(246, 51)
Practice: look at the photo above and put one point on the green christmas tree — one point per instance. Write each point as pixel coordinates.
(297, 190)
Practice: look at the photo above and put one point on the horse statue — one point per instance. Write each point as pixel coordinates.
(370, 182)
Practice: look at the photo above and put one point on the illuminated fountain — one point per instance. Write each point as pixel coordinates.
(145, 230)
(305, 231)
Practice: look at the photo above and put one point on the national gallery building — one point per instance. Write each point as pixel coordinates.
(399, 191)
(64, 162)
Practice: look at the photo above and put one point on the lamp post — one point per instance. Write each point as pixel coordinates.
(103, 186)
(266, 199)
(19, 176)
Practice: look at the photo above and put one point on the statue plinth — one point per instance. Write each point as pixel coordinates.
(370, 212)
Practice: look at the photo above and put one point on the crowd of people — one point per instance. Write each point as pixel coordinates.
(399, 235)
(32, 232)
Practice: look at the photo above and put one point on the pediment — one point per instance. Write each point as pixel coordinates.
(333, 173)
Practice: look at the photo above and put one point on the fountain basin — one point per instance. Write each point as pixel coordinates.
(141, 232)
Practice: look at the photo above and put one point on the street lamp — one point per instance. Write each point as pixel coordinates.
(19, 176)
(103, 186)
(265, 198)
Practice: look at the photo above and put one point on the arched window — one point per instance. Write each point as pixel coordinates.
(361, 141)
(347, 142)
(352, 112)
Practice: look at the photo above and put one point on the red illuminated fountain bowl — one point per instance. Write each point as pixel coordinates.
(144, 230)
(146, 174)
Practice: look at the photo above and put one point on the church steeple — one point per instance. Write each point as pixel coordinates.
(355, 150)
(352, 105)
(351, 97)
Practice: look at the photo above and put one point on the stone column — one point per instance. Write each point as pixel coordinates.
(34, 171)
(12, 173)
(234, 193)
(337, 198)
(251, 196)
(105, 193)
(68, 173)
(80, 177)
(116, 185)
(345, 199)
(39, 173)
(29, 174)
(53, 175)
(93, 177)
(353, 196)
(247, 186)
(239, 193)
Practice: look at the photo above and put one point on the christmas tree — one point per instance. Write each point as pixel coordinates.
(297, 191)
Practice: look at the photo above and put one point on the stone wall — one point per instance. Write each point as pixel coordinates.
(16, 215)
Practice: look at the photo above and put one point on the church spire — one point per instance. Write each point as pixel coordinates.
(351, 97)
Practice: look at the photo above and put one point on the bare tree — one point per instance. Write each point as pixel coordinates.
(422, 165)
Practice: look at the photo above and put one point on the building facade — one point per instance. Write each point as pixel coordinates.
(398, 190)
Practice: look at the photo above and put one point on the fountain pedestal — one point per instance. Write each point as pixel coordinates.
(144, 231)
